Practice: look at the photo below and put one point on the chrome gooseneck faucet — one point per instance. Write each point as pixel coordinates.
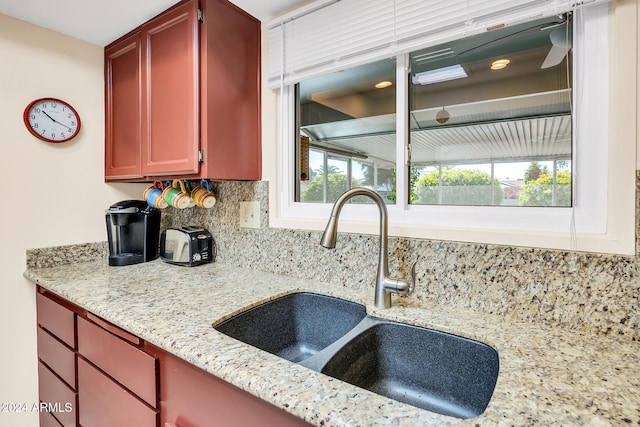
(385, 285)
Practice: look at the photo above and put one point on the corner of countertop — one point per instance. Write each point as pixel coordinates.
(68, 254)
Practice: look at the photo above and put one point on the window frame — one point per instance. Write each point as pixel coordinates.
(611, 227)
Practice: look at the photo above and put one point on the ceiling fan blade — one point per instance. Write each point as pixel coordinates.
(560, 45)
(555, 56)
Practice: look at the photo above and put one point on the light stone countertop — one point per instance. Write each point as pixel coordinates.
(548, 376)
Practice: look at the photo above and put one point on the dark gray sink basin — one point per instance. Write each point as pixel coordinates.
(432, 370)
(295, 326)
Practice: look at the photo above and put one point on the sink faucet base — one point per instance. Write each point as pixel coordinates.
(385, 285)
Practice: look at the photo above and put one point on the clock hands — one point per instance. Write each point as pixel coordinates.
(45, 113)
(55, 121)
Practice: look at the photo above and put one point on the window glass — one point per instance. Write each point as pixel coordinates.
(347, 129)
(491, 119)
(485, 111)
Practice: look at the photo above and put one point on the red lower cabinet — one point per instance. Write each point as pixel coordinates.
(117, 381)
(105, 403)
(56, 362)
(191, 397)
(58, 357)
(98, 375)
(128, 365)
(47, 419)
(57, 399)
(57, 319)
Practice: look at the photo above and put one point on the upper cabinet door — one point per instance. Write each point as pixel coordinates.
(183, 96)
(170, 93)
(230, 76)
(123, 112)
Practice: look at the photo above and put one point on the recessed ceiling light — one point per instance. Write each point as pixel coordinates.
(382, 85)
(500, 64)
(440, 75)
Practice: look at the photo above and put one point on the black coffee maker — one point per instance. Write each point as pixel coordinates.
(133, 228)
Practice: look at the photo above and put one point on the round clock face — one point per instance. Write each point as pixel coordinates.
(52, 120)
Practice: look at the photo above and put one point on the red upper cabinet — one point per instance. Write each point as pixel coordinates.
(170, 95)
(230, 84)
(196, 111)
(123, 126)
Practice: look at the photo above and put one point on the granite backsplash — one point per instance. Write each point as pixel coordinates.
(597, 293)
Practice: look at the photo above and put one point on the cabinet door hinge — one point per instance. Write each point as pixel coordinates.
(201, 156)
(200, 15)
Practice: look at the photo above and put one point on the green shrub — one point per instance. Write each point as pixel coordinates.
(459, 187)
(539, 192)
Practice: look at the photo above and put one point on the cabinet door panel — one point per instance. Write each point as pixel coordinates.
(191, 397)
(123, 79)
(57, 356)
(104, 403)
(230, 86)
(59, 398)
(130, 366)
(171, 93)
(48, 420)
(58, 320)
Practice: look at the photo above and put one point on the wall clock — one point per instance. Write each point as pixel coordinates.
(52, 120)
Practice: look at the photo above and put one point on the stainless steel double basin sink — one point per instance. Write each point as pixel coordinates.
(432, 370)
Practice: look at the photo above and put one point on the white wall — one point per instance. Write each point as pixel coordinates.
(54, 194)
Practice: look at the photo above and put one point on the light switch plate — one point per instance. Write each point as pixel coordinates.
(249, 214)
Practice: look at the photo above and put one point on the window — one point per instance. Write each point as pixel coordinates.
(347, 132)
(575, 180)
(491, 118)
(490, 122)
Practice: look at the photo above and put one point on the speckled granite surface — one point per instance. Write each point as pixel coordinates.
(565, 324)
(582, 291)
(548, 375)
(65, 255)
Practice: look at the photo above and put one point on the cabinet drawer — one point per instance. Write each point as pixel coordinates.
(193, 397)
(60, 358)
(56, 319)
(48, 420)
(114, 329)
(60, 399)
(128, 365)
(104, 403)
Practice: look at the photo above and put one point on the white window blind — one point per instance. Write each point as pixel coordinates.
(329, 36)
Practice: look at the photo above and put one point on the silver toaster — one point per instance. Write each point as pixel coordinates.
(188, 246)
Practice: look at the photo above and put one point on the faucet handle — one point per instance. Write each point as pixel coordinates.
(412, 277)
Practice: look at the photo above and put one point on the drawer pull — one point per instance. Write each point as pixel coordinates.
(114, 329)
